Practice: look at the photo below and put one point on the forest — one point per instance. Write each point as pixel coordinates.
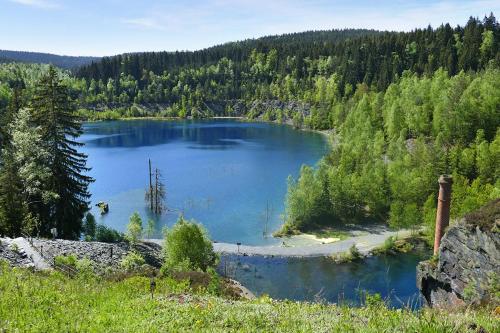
(404, 107)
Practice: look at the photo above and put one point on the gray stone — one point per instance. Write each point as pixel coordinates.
(468, 267)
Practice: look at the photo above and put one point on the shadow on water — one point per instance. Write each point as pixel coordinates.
(142, 133)
(320, 279)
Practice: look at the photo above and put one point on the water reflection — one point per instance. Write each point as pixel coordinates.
(142, 133)
(222, 173)
(313, 279)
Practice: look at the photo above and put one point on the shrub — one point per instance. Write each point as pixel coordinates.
(214, 286)
(132, 261)
(108, 235)
(89, 227)
(354, 252)
(373, 300)
(66, 260)
(134, 229)
(187, 247)
(14, 247)
(85, 268)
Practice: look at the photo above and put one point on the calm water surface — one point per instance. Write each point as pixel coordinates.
(220, 172)
(223, 173)
(313, 279)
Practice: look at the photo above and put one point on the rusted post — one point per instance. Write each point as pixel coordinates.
(443, 209)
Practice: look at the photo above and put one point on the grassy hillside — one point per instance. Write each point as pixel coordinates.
(51, 302)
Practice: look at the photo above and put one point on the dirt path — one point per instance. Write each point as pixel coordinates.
(364, 242)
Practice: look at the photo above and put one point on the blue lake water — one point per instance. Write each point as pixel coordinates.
(319, 279)
(222, 173)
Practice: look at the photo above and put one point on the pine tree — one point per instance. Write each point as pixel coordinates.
(53, 111)
(12, 209)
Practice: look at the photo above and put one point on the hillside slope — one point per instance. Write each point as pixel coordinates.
(66, 62)
(51, 302)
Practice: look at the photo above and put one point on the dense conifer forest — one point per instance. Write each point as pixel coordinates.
(404, 107)
(66, 62)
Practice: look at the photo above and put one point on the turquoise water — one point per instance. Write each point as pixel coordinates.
(223, 173)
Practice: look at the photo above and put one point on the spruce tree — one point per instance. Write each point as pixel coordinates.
(53, 111)
(12, 208)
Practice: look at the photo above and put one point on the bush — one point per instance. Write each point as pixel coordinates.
(132, 261)
(85, 268)
(14, 247)
(89, 228)
(187, 247)
(66, 260)
(108, 235)
(354, 252)
(134, 228)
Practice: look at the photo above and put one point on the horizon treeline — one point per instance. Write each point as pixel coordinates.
(286, 67)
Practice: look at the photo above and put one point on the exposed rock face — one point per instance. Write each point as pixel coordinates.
(102, 254)
(257, 108)
(14, 258)
(468, 268)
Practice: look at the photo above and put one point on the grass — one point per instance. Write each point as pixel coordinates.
(286, 231)
(330, 233)
(52, 302)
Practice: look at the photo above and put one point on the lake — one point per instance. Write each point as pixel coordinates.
(222, 173)
(319, 279)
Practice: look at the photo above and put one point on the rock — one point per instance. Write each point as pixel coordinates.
(468, 267)
(103, 206)
(14, 258)
(102, 254)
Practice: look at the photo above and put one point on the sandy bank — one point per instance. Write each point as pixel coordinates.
(365, 242)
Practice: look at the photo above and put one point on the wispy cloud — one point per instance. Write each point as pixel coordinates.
(145, 22)
(44, 4)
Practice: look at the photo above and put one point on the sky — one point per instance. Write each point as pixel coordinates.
(108, 27)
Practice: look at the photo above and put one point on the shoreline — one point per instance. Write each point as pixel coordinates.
(364, 242)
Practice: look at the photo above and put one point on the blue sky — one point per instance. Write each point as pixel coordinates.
(107, 27)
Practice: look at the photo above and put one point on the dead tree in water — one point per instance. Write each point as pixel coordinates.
(150, 188)
(156, 193)
(266, 217)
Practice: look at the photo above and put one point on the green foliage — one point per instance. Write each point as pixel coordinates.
(187, 247)
(108, 235)
(42, 173)
(354, 252)
(89, 228)
(66, 260)
(132, 261)
(150, 228)
(14, 247)
(306, 201)
(53, 111)
(134, 228)
(373, 300)
(394, 145)
(389, 244)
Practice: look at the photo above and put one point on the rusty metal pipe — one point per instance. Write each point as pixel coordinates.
(443, 209)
